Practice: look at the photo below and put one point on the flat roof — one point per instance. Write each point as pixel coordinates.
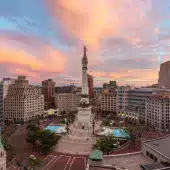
(155, 166)
(144, 89)
(160, 145)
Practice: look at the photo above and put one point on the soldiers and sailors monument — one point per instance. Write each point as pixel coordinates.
(80, 137)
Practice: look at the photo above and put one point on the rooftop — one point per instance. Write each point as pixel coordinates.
(159, 97)
(127, 161)
(160, 145)
(156, 166)
(96, 154)
(144, 89)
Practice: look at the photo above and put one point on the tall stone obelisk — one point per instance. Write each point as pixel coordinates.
(80, 137)
(84, 116)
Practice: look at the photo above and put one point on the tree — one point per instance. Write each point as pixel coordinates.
(32, 127)
(32, 137)
(128, 133)
(106, 144)
(47, 140)
(6, 145)
(34, 162)
(32, 134)
(106, 123)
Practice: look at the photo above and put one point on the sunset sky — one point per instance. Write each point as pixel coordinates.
(126, 39)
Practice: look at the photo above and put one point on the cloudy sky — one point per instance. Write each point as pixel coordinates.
(126, 39)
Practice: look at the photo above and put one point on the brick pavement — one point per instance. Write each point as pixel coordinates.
(63, 162)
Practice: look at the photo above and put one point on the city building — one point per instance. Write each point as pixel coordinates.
(65, 89)
(135, 108)
(113, 84)
(158, 150)
(6, 83)
(122, 98)
(108, 103)
(110, 85)
(23, 102)
(164, 75)
(48, 91)
(90, 85)
(2, 157)
(1, 106)
(67, 102)
(157, 113)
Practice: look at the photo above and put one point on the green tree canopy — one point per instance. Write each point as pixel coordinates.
(33, 163)
(47, 139)
(32, 126)
(106, 144)
(6, 145)
(32, 137)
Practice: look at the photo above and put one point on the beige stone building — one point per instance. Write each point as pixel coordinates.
(23, 102)
(108, 103)
(157, 113)
(67, 102)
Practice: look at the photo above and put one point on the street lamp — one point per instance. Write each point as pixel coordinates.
(66, 119)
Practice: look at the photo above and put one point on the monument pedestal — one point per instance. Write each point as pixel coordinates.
(80, 138)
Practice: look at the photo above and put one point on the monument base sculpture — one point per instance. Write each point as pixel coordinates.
(80, 138)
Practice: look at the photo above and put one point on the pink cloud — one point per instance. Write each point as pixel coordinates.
(94, 21)
(33, 59)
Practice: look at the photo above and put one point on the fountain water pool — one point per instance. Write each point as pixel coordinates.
(117, 132)
(56, 128)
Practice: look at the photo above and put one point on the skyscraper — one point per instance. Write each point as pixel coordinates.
(48, 91)
(164, 75)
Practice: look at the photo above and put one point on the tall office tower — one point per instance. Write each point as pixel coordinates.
(48, 91)
(23, 102)
(164, 76)
(1, 106)
(90, 85)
